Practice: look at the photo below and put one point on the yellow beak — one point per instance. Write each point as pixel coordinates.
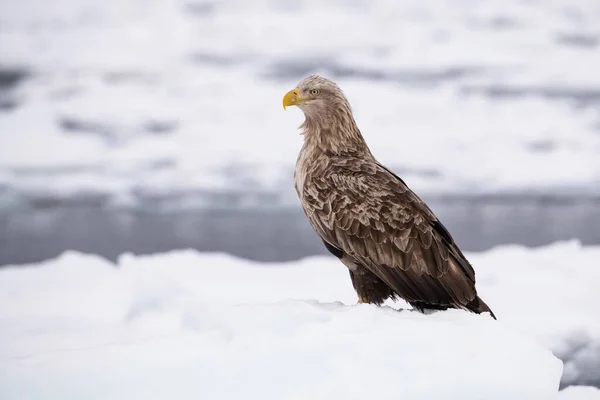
(291, 98)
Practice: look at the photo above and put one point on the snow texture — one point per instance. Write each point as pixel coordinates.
(125, 101)
(580, 393)
(190, 325)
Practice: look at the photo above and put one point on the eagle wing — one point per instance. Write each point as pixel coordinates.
(363, 209)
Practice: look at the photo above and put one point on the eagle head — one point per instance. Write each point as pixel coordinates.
(315, 96)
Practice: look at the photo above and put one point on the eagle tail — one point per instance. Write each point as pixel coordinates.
(478, 306)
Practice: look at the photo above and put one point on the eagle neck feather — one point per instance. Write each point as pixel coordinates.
(333, 131)
(329, 134)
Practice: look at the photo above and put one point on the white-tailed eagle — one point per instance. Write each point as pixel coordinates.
(391, 242)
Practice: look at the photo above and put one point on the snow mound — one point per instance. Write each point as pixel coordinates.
(78, 327)
(187, 325)
(551, 293)
(580, 393)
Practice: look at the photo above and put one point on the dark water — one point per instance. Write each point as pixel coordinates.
(32, 234)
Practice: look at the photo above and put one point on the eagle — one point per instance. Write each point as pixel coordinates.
(393, 245)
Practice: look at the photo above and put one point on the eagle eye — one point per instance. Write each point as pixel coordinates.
(315, 92)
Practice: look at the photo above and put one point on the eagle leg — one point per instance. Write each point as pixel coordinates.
(369, 288)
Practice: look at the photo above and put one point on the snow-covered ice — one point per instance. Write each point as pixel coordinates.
(126, 100)
(193, 325)
(580, 393)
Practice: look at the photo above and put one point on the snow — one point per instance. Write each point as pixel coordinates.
(548, 292)
(185, 324)
(148, 98)
(580, 393)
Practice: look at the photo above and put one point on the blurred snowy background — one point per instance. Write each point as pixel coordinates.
(145, 126)
(149, 125)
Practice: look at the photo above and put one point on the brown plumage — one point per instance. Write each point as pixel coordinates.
(391, 242)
